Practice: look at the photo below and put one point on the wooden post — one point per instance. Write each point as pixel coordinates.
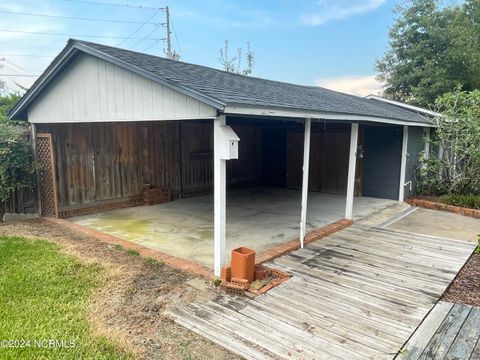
(306, 165)
(403, 164)
(352, 162)
(219, 192)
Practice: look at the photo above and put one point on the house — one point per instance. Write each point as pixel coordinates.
(112, 125)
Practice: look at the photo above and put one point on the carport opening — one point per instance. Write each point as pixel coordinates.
(264, 187)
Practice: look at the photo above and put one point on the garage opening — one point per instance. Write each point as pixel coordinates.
(263, 185)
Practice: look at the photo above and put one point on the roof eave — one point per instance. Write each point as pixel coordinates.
(248, 110)
(59, 64)
(413, 108)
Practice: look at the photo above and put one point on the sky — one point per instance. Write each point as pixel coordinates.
(329, 43)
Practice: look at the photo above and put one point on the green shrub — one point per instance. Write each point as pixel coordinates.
(16, 164)
(466, 201)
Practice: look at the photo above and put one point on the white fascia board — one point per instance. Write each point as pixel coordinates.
(125, 120)
(314, 115)
(403, 105)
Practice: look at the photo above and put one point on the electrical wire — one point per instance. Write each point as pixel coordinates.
(139, 28)
(115, 4)
(76, 35)
(145, 38)
(26, 55)
(71, 17)
(176, 38)
(23, 75)
(19, 67)
(149, 46)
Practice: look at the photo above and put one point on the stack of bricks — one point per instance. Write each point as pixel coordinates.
(155, 195)
(427, 204)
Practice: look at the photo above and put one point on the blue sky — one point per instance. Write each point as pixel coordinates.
(332, 43)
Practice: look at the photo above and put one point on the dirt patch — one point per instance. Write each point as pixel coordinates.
(130, 307)
(465, 289)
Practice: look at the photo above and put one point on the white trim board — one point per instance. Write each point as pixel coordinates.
(314, 115)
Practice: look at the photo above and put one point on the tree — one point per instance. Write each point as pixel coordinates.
(454, 165)
(6, 104)
(432, 49)
(233, 65)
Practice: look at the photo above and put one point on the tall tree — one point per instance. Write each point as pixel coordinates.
(432, 49)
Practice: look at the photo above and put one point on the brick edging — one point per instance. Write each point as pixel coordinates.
(279, 250)
(427, 204)
(173, 261)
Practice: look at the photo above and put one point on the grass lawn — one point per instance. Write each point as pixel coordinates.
(44, 295)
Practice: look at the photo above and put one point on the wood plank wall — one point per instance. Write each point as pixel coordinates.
(98, 162)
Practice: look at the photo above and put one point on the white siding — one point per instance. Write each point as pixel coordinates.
(94, 90)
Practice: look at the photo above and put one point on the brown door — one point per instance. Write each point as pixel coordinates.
(47, 179)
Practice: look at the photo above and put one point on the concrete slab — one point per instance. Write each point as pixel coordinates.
(257, 218)
(439, 223)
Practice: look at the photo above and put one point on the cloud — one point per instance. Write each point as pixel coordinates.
(355, 84)
(330, 10)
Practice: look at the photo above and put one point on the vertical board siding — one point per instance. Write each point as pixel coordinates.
(98, 162)
(94, 90)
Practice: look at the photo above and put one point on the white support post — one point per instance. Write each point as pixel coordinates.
(352, 165)
(426, 150)
(403, 165)
(306, 165)
(219, 186)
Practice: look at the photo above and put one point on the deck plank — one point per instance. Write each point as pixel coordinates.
(467, 337)
(360, 293)
(446, 333)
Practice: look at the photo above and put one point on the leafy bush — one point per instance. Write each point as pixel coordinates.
(16, 164)
(454, 163)
(466, 201)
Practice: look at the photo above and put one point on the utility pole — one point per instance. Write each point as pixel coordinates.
(169, 41)
(168, 52)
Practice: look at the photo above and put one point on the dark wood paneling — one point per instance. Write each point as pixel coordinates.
(108, 161)
(328, 169)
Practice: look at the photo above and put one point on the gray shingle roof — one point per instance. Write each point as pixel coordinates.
(232, 89)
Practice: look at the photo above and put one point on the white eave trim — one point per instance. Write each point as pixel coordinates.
(314, 115)
(403, 105)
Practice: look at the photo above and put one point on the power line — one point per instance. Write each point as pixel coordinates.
(114, 4)
(146, 38)
(26, 55)
(71, 17)
(76, 35)
(176, 38)
(139, 28)
(26, 75)
(149, 46)
(17, 66)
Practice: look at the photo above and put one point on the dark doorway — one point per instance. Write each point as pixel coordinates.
(381, 161)
(274, 150)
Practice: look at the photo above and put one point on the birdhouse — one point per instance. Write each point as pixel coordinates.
(228, 148)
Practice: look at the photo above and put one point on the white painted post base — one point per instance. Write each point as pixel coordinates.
(352, 164)
(306, 165)
(219, 194)
(403, 165)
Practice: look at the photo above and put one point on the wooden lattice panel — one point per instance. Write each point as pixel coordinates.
(46, 174)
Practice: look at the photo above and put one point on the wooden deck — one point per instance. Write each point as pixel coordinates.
(359, 293)
(450, 331)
